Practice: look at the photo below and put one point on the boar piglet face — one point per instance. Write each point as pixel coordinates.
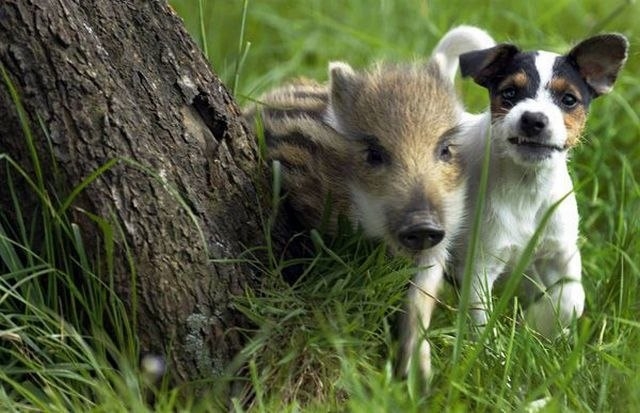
(405, 174)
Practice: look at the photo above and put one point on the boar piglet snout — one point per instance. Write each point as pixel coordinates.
(420, 231)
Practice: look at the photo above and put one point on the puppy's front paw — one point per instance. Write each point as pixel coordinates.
(555, 310)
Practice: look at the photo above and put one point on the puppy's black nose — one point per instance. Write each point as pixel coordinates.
(420, 236)
(532, 123)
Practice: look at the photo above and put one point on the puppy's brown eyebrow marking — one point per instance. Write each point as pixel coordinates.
(561, 85)
(519, 80)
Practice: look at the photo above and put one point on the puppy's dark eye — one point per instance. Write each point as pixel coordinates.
(569, 100)
(508, 93)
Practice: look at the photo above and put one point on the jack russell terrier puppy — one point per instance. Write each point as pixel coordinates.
(539, 102)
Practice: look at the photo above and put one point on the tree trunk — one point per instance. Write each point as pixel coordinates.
(123, 80)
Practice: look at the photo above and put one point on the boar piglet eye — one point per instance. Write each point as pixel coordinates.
(375, 154)
(445, 153)
(375, 157)
(446, 147)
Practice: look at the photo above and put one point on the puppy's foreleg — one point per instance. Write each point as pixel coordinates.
(563, 297)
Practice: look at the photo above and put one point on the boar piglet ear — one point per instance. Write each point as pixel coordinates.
(599, 60)
(483, 65)
(344, 84)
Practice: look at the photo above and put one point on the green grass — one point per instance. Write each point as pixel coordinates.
(327, 342)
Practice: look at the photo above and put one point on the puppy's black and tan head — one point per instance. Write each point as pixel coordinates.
(539, 100)
(406, 181)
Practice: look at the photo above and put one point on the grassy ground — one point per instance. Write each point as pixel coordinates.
(326, 343)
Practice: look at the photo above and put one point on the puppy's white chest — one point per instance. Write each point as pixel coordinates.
(512, 222)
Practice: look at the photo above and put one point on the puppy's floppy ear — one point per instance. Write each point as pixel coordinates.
(599, 60)
(483, 65)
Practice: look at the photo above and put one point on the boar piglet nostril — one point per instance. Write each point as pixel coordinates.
(420, 236)
(532, 123)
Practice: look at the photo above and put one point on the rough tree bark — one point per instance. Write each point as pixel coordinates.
(123, 79)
